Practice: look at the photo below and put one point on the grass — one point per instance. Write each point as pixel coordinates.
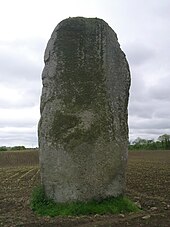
(45, 207)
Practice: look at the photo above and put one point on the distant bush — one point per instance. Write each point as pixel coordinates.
(18, 148)
(163, 143)
(3, 148)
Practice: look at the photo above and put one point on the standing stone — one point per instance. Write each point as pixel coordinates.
(83, 131)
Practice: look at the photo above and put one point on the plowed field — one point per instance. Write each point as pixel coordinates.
(148, 184)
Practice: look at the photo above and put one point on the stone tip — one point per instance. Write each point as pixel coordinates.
(83, 21)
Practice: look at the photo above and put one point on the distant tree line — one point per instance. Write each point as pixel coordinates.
(162, 143)
(15, 148)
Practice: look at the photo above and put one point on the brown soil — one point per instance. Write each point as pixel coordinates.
(148, 183)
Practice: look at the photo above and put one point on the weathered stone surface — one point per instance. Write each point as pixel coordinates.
(83, 131)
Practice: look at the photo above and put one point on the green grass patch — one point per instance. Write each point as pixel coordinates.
(45, 207)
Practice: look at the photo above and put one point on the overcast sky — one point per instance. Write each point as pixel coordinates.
(143, 29)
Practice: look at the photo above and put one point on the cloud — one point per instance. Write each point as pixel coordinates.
(149, 111)
(14, 136)
(161, 91)
(19, 62)
(19, 126)
(20, 96)
(19, 117)
(139, 53)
